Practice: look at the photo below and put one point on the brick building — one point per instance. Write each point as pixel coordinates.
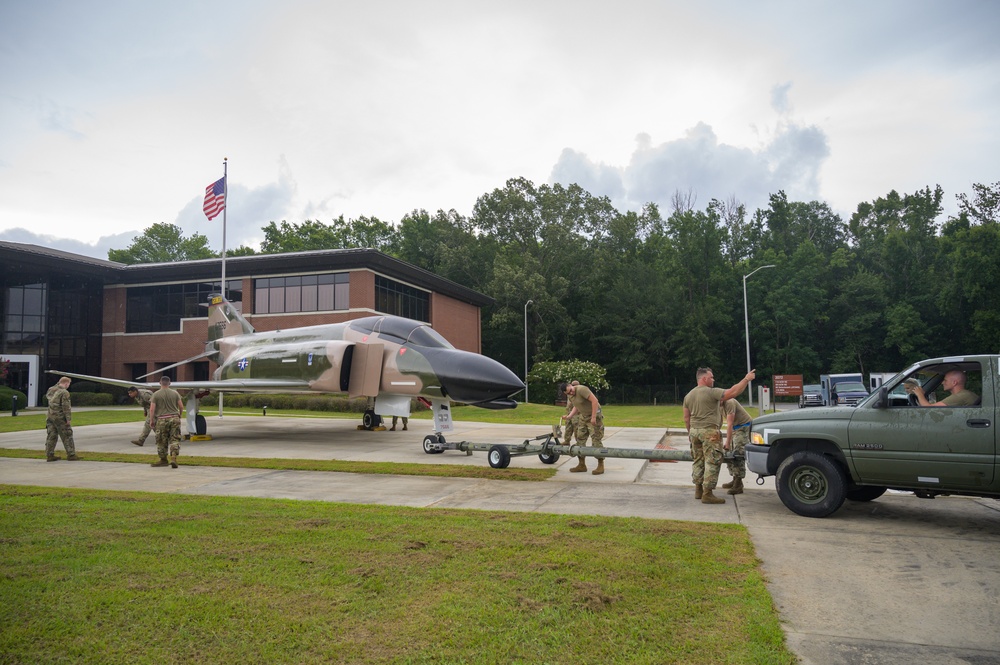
(78, 314)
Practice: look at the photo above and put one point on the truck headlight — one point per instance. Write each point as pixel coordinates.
(757, 438)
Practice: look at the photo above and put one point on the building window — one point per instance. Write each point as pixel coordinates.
(161, 308)
(401, 300)
(302, 293)
(24, 319)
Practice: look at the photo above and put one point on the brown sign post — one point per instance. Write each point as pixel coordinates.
(787, 385)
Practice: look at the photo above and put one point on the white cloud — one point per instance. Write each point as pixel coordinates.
(701, 164)
(115, 115)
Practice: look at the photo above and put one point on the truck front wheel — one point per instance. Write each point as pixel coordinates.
(810, 484)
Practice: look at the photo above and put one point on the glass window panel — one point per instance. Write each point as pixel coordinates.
(293, 281)
(32, 324)
(326, 279)
(309, 279)
(343, 299)
(276, 300)
(293, 298)
(343, 277)
(309, 298)
(326, 300)
(260, 301)
(15, 300)
(33, 301)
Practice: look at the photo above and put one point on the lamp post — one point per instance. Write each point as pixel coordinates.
(526, 351)
(746, 324)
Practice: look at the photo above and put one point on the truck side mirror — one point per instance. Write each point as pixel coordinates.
(883, 398)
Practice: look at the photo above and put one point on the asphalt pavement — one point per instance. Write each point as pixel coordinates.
(897, 580)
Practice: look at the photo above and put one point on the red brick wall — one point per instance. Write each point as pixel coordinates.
(457, 321)
(362, 290)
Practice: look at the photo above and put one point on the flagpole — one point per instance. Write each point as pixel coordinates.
(225, 205)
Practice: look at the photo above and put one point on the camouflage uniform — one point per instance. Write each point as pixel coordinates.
(706, 439)
(57, 422)
(738, 436)
(585, 411)
(571, 424)
(144, 398)
(166, 403)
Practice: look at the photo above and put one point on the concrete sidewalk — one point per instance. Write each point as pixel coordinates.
(897, 580)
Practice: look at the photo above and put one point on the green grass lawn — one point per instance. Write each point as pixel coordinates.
(129, 577)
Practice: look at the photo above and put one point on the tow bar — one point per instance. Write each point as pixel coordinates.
(549, 448)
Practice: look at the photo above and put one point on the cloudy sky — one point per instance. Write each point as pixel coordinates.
(116, 114)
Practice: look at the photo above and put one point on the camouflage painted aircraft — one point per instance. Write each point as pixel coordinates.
(387, 359)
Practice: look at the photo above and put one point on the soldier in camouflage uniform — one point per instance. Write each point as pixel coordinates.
(165, 408)
(571, 423)
(589, 424)
(737, 437)
(142, 397)
(58, 422)
(703, 418)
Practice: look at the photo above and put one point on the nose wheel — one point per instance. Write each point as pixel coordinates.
(431, 444)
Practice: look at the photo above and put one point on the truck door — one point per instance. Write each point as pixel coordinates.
(932, 447)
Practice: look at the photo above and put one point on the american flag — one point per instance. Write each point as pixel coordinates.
(215, 198)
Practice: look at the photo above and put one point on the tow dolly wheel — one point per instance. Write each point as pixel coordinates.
(499, 457)
(548, 458)
(430, 444)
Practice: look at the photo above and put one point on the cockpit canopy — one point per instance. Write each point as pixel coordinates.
(402, 331)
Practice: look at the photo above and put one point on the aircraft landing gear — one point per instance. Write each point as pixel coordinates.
(432, 444)
(371, 421)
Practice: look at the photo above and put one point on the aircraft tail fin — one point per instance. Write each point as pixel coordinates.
(224, 320)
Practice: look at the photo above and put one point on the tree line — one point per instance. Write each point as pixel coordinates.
(651, 298)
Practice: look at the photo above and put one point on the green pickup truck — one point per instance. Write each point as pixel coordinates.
(823, 456)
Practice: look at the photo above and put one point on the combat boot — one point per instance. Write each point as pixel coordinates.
(697, 491)
(708, 497)
(73, 458)
(137, 442)
(600, 468)
(173, 461)
(52, 458)
(580, 466)
(404, 427)
(726, 486)
(392, 429)
(161, 462)
(736, 487)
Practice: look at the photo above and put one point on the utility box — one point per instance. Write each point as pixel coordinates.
(765, 398)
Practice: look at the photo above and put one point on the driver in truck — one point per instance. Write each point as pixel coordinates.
(953, 382)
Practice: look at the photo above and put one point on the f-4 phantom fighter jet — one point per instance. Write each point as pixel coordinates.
(388, 359)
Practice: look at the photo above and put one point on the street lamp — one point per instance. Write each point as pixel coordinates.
(526, 351)
(746, 324)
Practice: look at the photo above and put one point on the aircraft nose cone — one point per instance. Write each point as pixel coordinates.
(472, 378)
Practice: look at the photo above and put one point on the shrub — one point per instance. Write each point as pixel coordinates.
(544, 377)
(326, 403)
(7, 401)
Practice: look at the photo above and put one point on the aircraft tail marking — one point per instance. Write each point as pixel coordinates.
(224, 320)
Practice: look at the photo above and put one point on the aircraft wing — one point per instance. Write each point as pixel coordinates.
(226, 386)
